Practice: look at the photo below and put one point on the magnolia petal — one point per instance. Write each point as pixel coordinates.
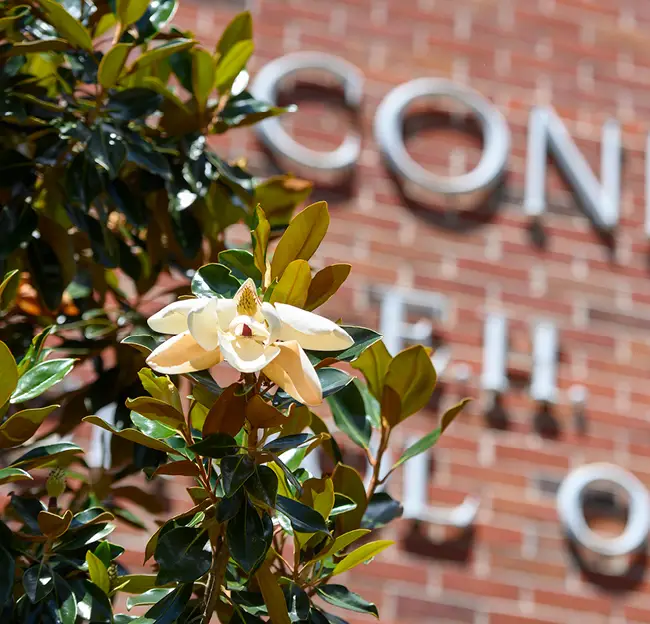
(273, 320)
(294, 373)
(203, 324)
(226, 312)
(246, 354)
(182, 354)
(172, 319)
(311, 330)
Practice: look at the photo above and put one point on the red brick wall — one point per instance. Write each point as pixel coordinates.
(590, 60)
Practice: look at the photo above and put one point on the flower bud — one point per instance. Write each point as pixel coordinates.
(55, 483)
(112, 574)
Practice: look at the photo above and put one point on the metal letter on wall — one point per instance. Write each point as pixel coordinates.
(494, 377)
(600, 199)
(270, 131)
(416, 484)
(395, 329)
(543, 383)
(570, 511)
(389, 121)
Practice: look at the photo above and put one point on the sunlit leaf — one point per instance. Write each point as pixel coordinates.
(112, 64)
(361, 555)
(67, 25)
(302, 238)
(9, 377)
(293, 285)
(98, 572)
(273, 596)
(41, 378)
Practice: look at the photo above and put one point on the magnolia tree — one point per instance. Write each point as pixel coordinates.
(107, 182)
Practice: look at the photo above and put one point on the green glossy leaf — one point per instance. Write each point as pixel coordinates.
(130, 11)
(381, 510)
(162, 52)
(373, 363)
(181, 556)
(133, 435)
(231, 63)
(244, 110)
(9, 475)
(331, 380)
(239, 29)
(107, 149)
(241, 263)
(145, 156)
(66, 25)
(291, 478)
(235, 471)
(150, 597)
(348, 481)
(203, 76)
(9, 377)
(342, 504)
(429, 440)
(363, 337)
(228, 508)
(263, 485)
(21, 426)
(350, 414)
(303, 518)
(216, 446)
(249, 537)
(103, 550)
(41, 378)
(86, 536)
(341, 596)
(156, 17)
(130, 104)
(285, 443)
(112, 64)
(35, 351)
(61, 602)
(412, 377)
(171, 606)
(144, 342)
(151, 428)
(92, 603)
(41, 455)
(215, 280)
(158, 410)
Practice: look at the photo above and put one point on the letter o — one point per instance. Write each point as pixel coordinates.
(272, 134)
(569, 506)
(389, 121)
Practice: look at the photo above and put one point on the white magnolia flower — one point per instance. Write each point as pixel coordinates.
(250, 335)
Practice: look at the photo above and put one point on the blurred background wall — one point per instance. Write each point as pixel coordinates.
(589, 60)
